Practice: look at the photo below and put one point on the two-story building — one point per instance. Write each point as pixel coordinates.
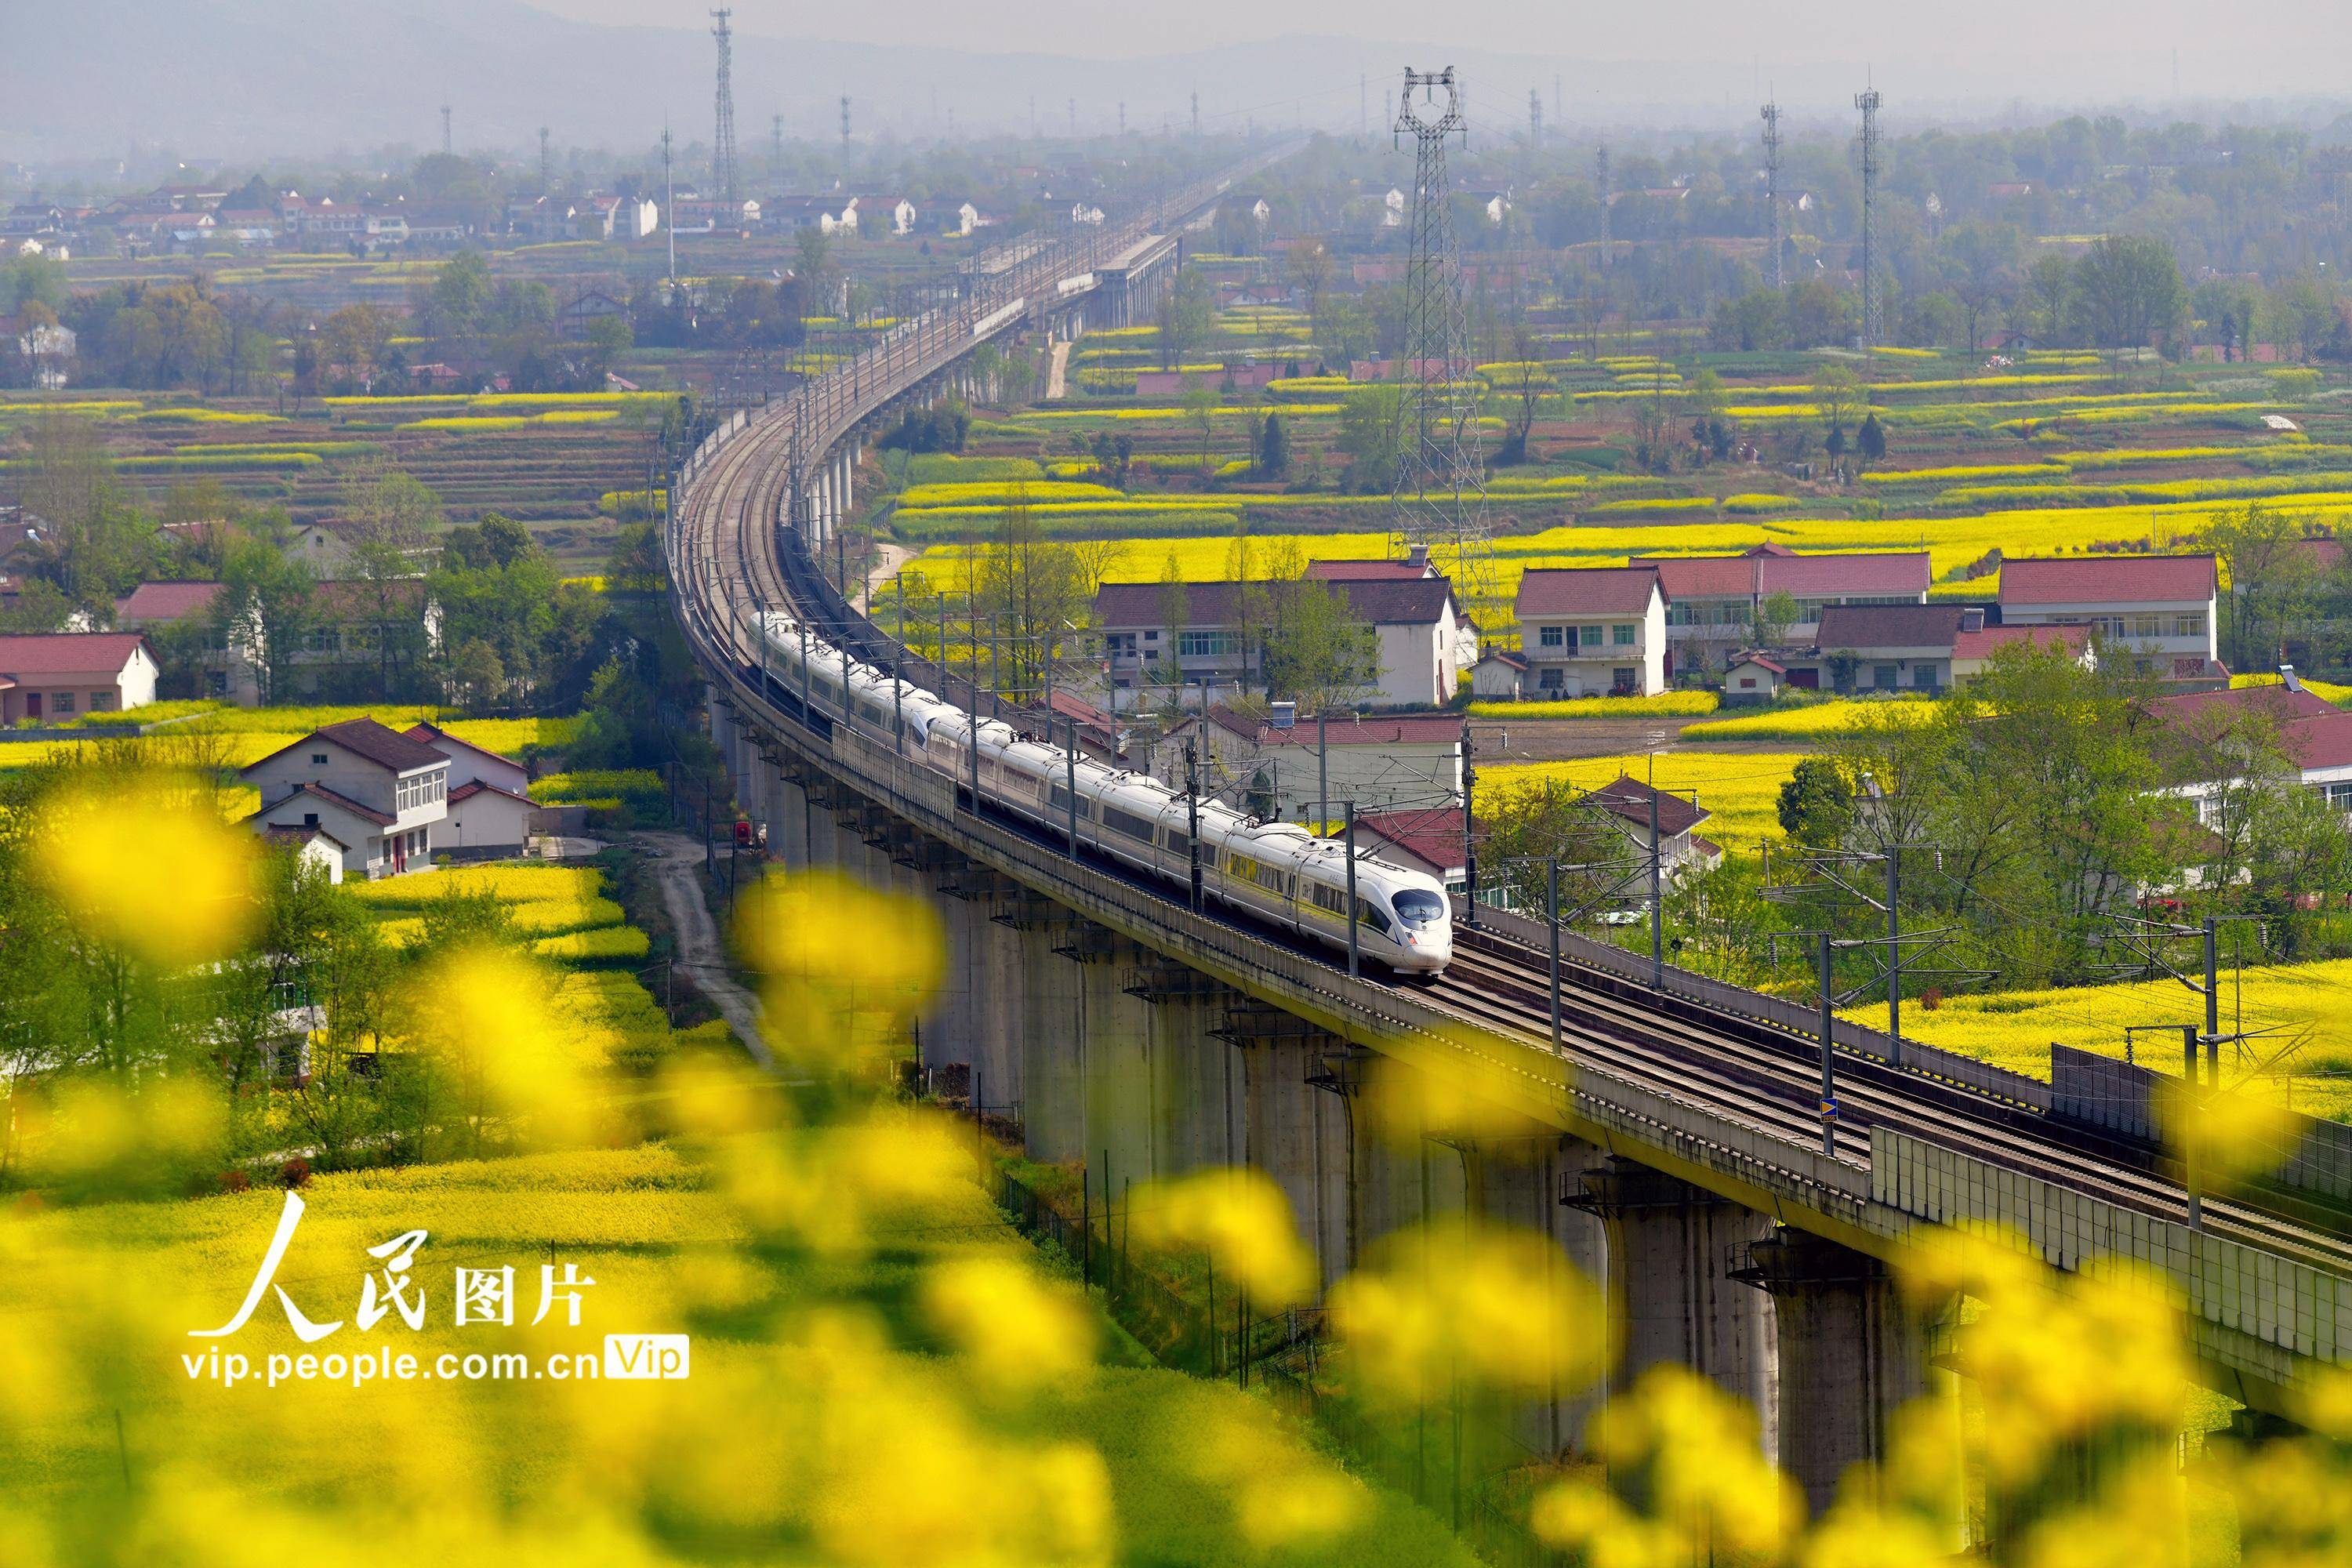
(1712, 601)
(227, 661)
(1592, 631)
(1925, 649)
(376, 791)
(2160, 607)
(1418, 640)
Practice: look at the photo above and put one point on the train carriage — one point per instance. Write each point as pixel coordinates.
(1277, 871)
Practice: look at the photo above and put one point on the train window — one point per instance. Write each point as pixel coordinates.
(1369, 914)
(1171, 838)
(1330, 898)
(1417, 907)
(1128, 823)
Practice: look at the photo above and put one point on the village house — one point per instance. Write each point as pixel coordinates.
(318, 852)
(1419, 641)
(1926, 648)
(2160, 607)
(1681, 851)
(2313, 735)
(378, 792)
(1427, 839)
(885, 215)
(827, 215)
(1592, 631)
(227, 666)
(1712, 601)
(67, 675)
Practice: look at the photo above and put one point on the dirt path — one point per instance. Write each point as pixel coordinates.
(1057, 374)
(888, 559)
(678, 865)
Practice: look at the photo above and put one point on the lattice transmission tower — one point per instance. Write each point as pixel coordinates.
(1439, 498)
(1868, 103)
(722, 156)
(1771, 115)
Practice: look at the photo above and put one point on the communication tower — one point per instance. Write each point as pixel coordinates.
(1439, 497)
(1600, 188)
(722, 156)
(1771, 116)
(1535, 117)
(445, 128)
(546, 180)
(1868, 103)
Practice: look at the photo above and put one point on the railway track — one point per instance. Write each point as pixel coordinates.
(1742, 1069)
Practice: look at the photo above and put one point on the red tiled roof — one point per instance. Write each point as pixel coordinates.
(2276, 701)
(1760, 662)
(68, 653)
(1382, 602)
(2320, 740)
(1980, 643)
(1433, 835)
(2107, 580)
(473, 787)
(1629, 797)
(1889, 626)
(429, 736)
(166, 601)
(1587, 590)
(293, 835)
(1767, 569)
(378, 743)
(320, 792)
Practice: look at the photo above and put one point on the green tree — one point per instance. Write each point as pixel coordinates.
(1199, 406)
(388, 515)
(2271, 578)
(1272, 447)
(1183, 319)
(1369, 435)
(1816, 805)
(1841, 401)
(1774, 615)
(2127, 289)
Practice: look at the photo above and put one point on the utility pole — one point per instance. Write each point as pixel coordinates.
(1657, 902)
(845, 131)
(1829, 1070)
(1192, 816)
(444, 129)
(1868, 103)
(1348, 846)
(1559, 111)
(1535, 119)
(775, 149)
(1196, 114)
(722, 153)
(1122, 119)
(1551, 909)
(546, 180)
(1893, 955)
(1771, 116)
(1074, 117)
(1469, 830)
(1322, 769)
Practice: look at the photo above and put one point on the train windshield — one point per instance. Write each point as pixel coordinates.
(1417, 908)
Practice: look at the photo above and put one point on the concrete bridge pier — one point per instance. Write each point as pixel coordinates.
(1851, 1353)
(1671, 1249)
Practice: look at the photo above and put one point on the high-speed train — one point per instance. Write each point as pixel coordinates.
(1274, 869)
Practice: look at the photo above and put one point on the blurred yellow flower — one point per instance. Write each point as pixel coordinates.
(1468, 1097)
(1497, 1307)
(148, 865)
(1019, 1332)
(490, 1016)
(1702, 1466)
(852, 945)
(1242, 1218)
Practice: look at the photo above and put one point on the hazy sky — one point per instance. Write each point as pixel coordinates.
(2305, 43)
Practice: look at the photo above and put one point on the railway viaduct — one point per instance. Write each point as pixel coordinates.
(1667, 1135)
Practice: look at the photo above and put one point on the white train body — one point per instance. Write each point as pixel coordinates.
(1276, 871)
